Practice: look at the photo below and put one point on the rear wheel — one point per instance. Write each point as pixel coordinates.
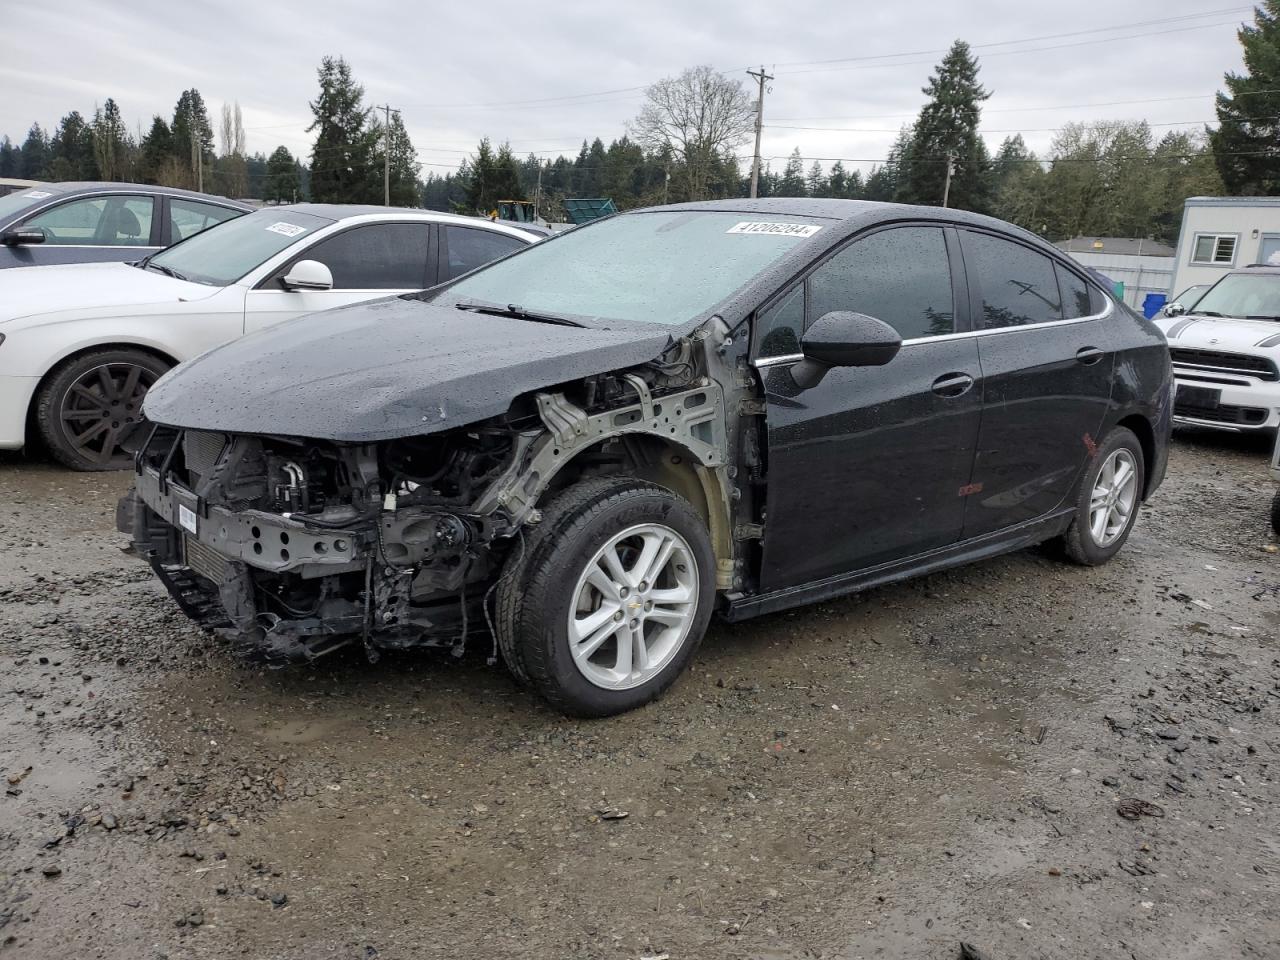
(1107, 501)
(91, 401)
(608, 600)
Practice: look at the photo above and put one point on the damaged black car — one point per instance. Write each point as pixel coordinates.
(579, 453)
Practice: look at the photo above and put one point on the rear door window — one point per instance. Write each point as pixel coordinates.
(377, 256)
(110, 221)
(470, 248)
(189, 217)
(1018, 285)
(1076, 301)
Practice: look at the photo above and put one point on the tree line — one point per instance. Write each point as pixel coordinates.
(1107, 178)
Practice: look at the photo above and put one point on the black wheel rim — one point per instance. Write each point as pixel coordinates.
(101, 406)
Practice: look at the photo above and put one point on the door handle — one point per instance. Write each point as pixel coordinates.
(1088, 355)
(952, 384)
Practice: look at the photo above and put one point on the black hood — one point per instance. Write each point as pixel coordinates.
(390, 368)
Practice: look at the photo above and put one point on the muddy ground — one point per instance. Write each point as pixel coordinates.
(882, 776)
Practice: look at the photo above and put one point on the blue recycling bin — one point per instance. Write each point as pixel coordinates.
(1153, 303)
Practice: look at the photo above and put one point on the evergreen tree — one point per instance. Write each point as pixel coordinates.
(792, 182)
(156, 148)
(482, 178)
(1246, 144)
(1018, 185)
(816, 182)
(190, 134)
(506, 175)
(836, 183)
(404, 190)
(71, 154)
(34, 154)
(948, 127)
(283, 184)
(853, 186)
(10, 158)
(112, 146)
(342, 158)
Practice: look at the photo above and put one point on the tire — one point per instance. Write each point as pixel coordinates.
(545, 584)
(1275, 512)
(1081, 541)
(90, 401)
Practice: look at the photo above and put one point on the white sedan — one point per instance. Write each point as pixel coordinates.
(80, 344)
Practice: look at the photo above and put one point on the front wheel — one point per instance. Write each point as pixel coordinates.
(1107, 501)
(91, 402)
(607, 601)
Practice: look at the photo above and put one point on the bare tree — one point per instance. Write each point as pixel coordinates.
(701, 116)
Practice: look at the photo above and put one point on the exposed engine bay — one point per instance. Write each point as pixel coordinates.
(295, 547)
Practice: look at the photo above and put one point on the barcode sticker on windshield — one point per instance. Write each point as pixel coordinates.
(287, 229)
(775, 229)
(37, 195)
(186, 517)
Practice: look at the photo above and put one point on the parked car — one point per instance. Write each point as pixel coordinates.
(81, 344)
(1184, 301)
(1226, 351)
(743, 405)
(94, 222)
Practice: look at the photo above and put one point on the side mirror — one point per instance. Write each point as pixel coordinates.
(21, 236)
(308, 275)
(1174, 309)
(842, 339)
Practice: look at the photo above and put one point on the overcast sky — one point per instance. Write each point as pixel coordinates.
(544, 76)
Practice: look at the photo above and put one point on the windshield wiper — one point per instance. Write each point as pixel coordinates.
(167, 271)
(1263, 316)
(1207, 313)
(518, 312)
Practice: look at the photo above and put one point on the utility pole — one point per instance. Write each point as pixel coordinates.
(761, 77)
(386, 156)
(537, 194)
(951, 169)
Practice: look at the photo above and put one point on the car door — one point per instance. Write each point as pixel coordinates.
(463, 249)
(95, 228)
(1047, 361)
(367, 261)
(872, 464)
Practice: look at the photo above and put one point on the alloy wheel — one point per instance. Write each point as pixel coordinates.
(633, 606)
(100, 406)
(1115, 494)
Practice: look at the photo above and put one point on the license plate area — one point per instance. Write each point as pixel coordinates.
(1203, 398)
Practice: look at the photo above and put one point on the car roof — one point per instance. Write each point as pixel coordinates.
(73, 187)
(346, 211)
(1266, 269)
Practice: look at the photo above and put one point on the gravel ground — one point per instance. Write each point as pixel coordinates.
(882, 776)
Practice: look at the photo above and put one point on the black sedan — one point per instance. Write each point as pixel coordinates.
(95, 222)
(585, 448)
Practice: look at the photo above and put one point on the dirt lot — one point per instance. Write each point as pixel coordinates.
(882, 776)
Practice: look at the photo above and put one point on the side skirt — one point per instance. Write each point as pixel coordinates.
(742, 607)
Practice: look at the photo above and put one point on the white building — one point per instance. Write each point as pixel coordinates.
(1222, 233)
(1143, 266)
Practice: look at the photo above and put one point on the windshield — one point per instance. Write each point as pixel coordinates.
(1255, 295)
(223, 254)
(662, 267)
(13, 203)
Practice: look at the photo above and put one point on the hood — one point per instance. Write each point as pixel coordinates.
(1220, 333)
(384, 369)
(57, 288)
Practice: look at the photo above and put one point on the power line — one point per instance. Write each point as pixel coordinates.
(1005, 43)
